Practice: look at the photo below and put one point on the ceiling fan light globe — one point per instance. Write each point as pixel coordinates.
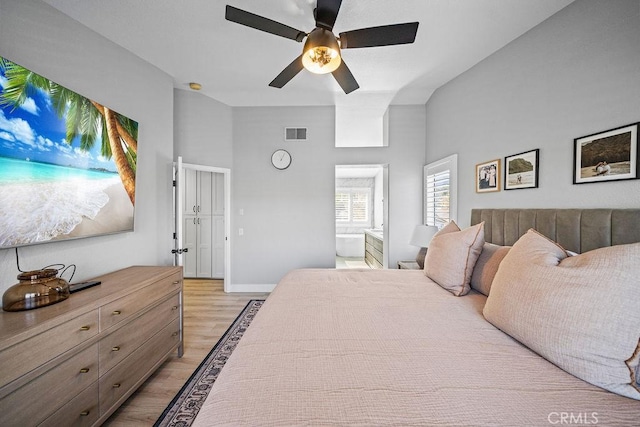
(321, 53)
(321, 60)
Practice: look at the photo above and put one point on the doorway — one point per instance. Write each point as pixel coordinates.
(202, 221)
(360, 216)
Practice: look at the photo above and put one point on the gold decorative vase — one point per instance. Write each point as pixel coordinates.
(36, 289)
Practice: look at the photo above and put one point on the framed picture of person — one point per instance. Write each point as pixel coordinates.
(488, 176)
(606, 156)
(521, 170)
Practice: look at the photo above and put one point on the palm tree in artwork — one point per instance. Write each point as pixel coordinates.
(84, 119)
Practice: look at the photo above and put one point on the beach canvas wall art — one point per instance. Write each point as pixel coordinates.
(67, 162)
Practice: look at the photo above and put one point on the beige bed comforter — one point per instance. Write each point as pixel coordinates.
(390, 347)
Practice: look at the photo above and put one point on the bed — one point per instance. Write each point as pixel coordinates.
(392, 347)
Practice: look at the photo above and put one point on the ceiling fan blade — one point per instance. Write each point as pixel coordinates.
(261, 23)
(288, 73)
(326, 13)
(385, 35)
(345, 79)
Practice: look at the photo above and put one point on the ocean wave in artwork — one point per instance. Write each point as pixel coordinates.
(38, 212)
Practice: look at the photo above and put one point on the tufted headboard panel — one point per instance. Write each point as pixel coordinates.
(578, 230)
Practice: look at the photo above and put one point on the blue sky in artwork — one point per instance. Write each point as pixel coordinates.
(33, 131)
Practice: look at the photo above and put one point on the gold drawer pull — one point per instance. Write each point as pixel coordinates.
(116, 385)
(116, 312)
(84, 370)
(116, 348)
(85, 328)
(84, 413)
(174, 334)
(175, 307)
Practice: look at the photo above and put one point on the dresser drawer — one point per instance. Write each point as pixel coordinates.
(121, 309)
(81, 411)
(27, 355)
(26, 406)
(118, 381)
(128, 338)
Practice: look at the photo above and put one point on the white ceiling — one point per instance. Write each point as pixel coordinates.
(191, 41)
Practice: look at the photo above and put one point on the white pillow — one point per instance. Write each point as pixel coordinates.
(451, 256)
(580, 312)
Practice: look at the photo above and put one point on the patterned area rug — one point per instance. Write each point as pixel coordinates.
(185, 406)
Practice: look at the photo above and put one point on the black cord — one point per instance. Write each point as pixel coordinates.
(66, 268)
(18, 261)
(62, 267)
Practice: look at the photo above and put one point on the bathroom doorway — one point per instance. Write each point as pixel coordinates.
(360, 216)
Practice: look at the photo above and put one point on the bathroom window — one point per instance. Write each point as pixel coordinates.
(353, 205)
(440, 191)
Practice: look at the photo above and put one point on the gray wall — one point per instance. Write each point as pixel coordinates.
(39, 37)
(575, 74)
(202, 130)
(289, 219)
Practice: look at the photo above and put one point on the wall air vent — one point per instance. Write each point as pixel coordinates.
(295, 134)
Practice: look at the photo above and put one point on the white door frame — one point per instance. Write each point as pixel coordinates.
(227, 213)
(385, 204)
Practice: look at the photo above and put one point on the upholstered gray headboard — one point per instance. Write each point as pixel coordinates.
(577, 230)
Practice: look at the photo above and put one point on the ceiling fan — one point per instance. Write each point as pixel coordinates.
(321, 52)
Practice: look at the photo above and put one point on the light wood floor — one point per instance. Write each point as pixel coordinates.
(208, 312)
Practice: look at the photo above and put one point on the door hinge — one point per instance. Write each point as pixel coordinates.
(174, 236)
(174, 182)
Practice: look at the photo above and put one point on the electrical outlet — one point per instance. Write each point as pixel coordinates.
(240, 231)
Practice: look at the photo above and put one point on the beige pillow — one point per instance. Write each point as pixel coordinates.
(452, 255)
(487, 266)
(580, 312)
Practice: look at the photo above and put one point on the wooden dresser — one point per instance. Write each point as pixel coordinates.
(77, 361)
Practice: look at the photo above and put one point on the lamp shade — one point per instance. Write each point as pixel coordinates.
(422, 235)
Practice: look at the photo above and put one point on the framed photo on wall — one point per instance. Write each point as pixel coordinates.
(521, 170)
(606, 156)
(488, 176)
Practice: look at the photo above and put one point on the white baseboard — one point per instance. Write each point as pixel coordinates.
(239, 287)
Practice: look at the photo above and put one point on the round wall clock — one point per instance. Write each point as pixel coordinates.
(281, 159)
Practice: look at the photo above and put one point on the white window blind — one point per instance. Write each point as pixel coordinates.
(437, 198)
(359, 206)
(353, 206)
(440, 191)
(343, 213)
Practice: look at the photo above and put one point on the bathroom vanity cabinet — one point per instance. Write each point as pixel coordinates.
(373, 248)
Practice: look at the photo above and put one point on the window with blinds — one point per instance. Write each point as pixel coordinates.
(343, 211)
(352, 206)
(437, 198)
(440, 188)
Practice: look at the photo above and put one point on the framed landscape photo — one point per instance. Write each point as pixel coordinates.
(606, 156)
(521, 170)
(488, 176)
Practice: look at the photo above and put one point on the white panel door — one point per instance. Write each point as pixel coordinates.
(190, 203)
(189, 242)
(204, 243)
(205, 193)
(218, 200)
